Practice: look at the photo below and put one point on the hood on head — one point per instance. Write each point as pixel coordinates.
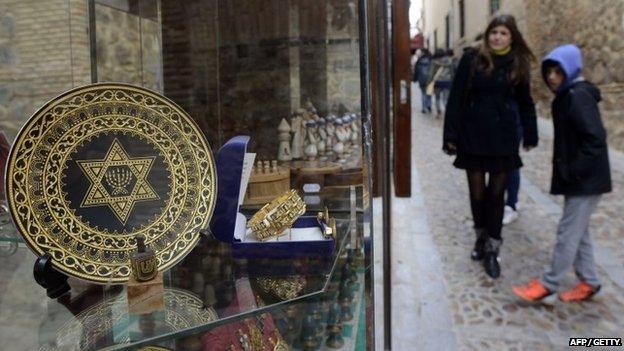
(569, 58)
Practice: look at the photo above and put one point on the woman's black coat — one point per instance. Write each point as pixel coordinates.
(580, 155)
(481, 114)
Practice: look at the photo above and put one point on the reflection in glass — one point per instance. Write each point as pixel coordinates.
(128, 42)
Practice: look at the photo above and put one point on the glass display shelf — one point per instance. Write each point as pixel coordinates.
(337, 198)
(206, 289)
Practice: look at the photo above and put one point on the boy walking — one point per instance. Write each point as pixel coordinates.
(580, 172)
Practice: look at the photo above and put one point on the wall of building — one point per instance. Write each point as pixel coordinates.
(128, 47)
(434, 19)
(597, 27)
(44, 50)
(477, 16)
(343, 57)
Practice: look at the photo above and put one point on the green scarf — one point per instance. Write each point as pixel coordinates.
(501, 52)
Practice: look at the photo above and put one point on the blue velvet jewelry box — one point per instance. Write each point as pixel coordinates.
(304, 239)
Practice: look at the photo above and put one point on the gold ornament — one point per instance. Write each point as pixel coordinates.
(255, 335)
(279, 214)
(283, 288)
(101, 164)
(281, 345)
(183, 310)
(328, 224)
(117, 170)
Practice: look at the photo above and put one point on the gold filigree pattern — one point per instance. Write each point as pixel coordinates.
(183, 310)
(273, 218)
(42, 191)
(117, 170)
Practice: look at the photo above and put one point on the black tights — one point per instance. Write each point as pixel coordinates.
(487, 201)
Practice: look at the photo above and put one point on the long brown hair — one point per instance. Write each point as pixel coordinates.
(522, 55)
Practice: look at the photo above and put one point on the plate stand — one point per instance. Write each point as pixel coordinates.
(53, 281)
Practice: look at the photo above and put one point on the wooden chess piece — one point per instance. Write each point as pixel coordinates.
(346, 275)
(284, 153)
(355, 133)
(310, 150)
(322, 139)
(266, 169)
(345, 297)
(289, 319)
(334, 327)
(339, 146)
(315, 312)
(351, 271)
(298, 130)
(308, 334)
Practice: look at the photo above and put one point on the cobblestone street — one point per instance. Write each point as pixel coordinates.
(482, 313)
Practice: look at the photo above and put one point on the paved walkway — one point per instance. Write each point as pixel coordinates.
(444, 301)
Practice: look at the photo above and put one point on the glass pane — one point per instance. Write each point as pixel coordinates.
(151, 45)
(128, 42)
(118, 34)
(44, 50)
(286, 74)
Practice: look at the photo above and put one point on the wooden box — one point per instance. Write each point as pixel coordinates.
(264, 187)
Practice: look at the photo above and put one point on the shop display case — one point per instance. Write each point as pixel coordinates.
(286, 80)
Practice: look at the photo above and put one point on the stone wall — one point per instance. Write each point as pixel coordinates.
(43, 51)
(128, 48)
(597, 27)
(343, 57)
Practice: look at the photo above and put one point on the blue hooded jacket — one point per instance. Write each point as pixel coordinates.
(580, 152)
(569, 58)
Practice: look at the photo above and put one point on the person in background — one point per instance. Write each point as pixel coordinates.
(511, 213)
(441, 75)
(421, 75)
(480, 127)
(580, 172)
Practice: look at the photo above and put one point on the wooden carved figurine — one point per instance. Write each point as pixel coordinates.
(284, 153)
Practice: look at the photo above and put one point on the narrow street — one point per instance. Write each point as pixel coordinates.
(448, 297)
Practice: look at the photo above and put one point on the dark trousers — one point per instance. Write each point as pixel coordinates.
(513, 180)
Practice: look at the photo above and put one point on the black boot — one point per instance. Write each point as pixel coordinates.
(477, 251)
(490, 258)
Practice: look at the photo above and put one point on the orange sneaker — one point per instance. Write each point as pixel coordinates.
(580, 292)
(534, 291)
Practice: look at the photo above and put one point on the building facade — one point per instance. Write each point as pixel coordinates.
(597, 27)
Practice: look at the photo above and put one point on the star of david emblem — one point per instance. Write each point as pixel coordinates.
(118, 181)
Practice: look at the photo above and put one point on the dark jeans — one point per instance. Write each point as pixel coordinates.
(425, 99)
(513, 180)
(513, 187)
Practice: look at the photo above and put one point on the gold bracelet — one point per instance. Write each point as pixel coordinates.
(286, 288)
(279, 214)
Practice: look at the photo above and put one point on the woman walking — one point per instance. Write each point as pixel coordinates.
(421, 76)
(489, 91)
(441, 77)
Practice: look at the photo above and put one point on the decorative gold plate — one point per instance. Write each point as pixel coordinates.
(101, 164)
